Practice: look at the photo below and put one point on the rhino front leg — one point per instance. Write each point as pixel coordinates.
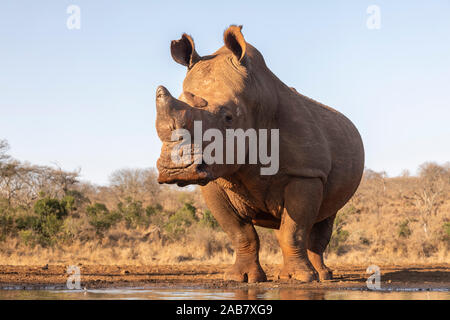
(303, 198)
(242, 234)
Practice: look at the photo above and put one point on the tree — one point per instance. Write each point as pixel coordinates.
(4, 148)
(21, 183)
(134, 184)
(434, 184)
(434, 181)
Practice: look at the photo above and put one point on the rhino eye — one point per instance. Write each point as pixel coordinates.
(226, 114)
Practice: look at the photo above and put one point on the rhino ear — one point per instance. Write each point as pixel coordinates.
(183, 51)
(234, 40)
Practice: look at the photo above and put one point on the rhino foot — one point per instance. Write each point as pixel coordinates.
(245, 272)
(298, 272)
(325, 274)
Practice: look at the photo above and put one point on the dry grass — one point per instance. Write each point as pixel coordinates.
(401, 220)
(122, 248)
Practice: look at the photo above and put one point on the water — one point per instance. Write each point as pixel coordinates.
(228, 294)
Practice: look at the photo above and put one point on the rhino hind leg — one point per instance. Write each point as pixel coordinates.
(242, 233)
(303, 198)
(318, 241)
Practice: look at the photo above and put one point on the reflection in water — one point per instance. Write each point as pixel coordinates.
(231, 294)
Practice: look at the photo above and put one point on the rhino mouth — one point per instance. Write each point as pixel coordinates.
(194, 173)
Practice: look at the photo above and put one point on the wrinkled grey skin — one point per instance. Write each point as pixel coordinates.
(321, 157)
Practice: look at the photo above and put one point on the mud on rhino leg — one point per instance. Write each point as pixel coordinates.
(242, 234)
(318, 241)
(303, 198)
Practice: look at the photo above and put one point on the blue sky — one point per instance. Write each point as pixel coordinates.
(85, 98)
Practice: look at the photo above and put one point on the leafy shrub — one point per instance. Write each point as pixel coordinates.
(47, 229)
(27, 236)
(78, 199)
(153, 210)
(52, 207)
(339, 235)
(208, 220)
(6, 218)
(6, 224)
(403, 230)
(446, 228)
(337, 241)
(181, 220)
(49, 220)
(101, 218)
(25, 222)
(155, 215)
(133, 213)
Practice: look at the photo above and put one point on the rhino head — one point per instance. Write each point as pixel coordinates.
(221, 91)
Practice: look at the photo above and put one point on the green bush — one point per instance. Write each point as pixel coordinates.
(50, 218)
(52, 207)
(101, 218)
(182, 219)
(403, 230)
(26, 222)
(342, 215)
(133, 213)
(189, 211)
(76, 199)
(44, 224)
(339, 235)
(6, 224)
(338, 240)
(208, 220)
(27, 236)
(48, 228)
(153, 210)
(155, 215)
(68, 202)
(446, 228)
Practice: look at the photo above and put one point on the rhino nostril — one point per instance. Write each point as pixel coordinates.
(201, 167)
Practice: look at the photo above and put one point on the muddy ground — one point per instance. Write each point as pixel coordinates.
(210, 276)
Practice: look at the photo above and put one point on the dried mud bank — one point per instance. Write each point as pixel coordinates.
(423, 277)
